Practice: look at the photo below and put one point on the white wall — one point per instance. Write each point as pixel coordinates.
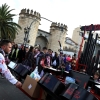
(68, 53)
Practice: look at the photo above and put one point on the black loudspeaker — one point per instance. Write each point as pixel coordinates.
(52, 85)
(21, 70)
(74, 92)
(81, 78)
(69, 91)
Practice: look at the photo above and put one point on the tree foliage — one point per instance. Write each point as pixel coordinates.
(8, 28)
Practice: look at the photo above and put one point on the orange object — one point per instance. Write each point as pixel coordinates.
(79, 53)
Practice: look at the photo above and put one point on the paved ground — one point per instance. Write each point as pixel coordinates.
(10, 92)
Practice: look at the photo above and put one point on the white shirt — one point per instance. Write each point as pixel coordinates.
(5, 71)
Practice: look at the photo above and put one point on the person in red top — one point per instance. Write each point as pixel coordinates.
(73, 62)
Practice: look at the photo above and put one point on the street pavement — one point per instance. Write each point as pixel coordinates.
(10, 92)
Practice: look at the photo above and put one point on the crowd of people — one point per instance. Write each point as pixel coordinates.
(33, 57)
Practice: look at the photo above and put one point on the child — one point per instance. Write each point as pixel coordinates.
(96, 77)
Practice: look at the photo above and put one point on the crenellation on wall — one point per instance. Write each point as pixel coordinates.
(30, 18)
(27, 12)
(58, 31)
(58, 26)
(23, 11)
(31, 12)
(26, 17)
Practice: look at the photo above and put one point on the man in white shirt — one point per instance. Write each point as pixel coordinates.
(6, 48)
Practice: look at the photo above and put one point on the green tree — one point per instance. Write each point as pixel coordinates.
(8, 28)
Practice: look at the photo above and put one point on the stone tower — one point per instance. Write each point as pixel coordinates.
(58, 33)
(28, 18)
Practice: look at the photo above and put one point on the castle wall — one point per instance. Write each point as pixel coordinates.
(78, 38)
(42, 41)
(26, 17)
(58, 33)
(75, 36)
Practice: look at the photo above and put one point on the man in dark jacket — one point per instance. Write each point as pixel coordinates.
(40, 57)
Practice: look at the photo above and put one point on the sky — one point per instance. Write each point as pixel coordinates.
(72, 13)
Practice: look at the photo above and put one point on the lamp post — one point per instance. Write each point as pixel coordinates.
(61, 29)
(27, 30)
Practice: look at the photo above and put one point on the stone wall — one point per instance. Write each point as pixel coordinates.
(58, 33)
(28, 18)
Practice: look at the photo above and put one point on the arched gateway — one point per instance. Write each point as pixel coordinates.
(42, 41)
